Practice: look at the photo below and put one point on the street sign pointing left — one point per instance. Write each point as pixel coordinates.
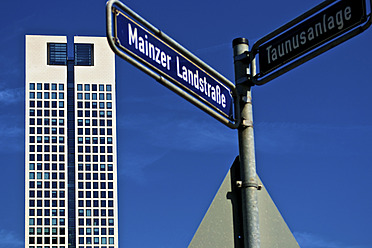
(138, 42)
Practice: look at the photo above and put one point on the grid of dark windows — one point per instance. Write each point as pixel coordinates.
(70, 150)
(84, 54)
(95, 166)
(57, 53)
(47, 198)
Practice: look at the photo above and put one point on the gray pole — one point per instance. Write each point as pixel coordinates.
(249, 184)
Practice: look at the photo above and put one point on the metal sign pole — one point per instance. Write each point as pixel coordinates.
(249, 183)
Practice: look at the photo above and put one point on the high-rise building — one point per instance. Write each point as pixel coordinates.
(70, 137)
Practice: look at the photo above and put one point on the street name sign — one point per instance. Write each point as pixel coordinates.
(333, 21)
(316, 29)
(154, 50)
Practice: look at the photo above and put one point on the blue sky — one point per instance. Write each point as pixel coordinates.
(313, 125)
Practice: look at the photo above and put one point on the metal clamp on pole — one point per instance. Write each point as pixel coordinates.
(241, 61)
(248, 183)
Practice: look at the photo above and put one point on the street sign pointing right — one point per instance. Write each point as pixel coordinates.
(316, 31)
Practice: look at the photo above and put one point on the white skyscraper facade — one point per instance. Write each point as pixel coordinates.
(70, 143)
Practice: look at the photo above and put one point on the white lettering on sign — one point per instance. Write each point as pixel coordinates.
(145, 47)
(200, 84)
(301, 38)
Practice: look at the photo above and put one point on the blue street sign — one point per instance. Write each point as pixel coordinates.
(165, 59)
(315, 31)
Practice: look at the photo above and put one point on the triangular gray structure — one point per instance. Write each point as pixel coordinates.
(221, 226)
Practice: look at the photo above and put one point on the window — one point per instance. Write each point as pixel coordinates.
(103, 240)
(57, 53)
(84, 54)
(111, 239)
(96, 240)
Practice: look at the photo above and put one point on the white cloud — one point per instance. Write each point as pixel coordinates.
(10, 132)
(148, 138)
(188, 134)
(134, 164)
(9, 239)
(11, 137)
(285, 137)
(310, 240)
(8, 96)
